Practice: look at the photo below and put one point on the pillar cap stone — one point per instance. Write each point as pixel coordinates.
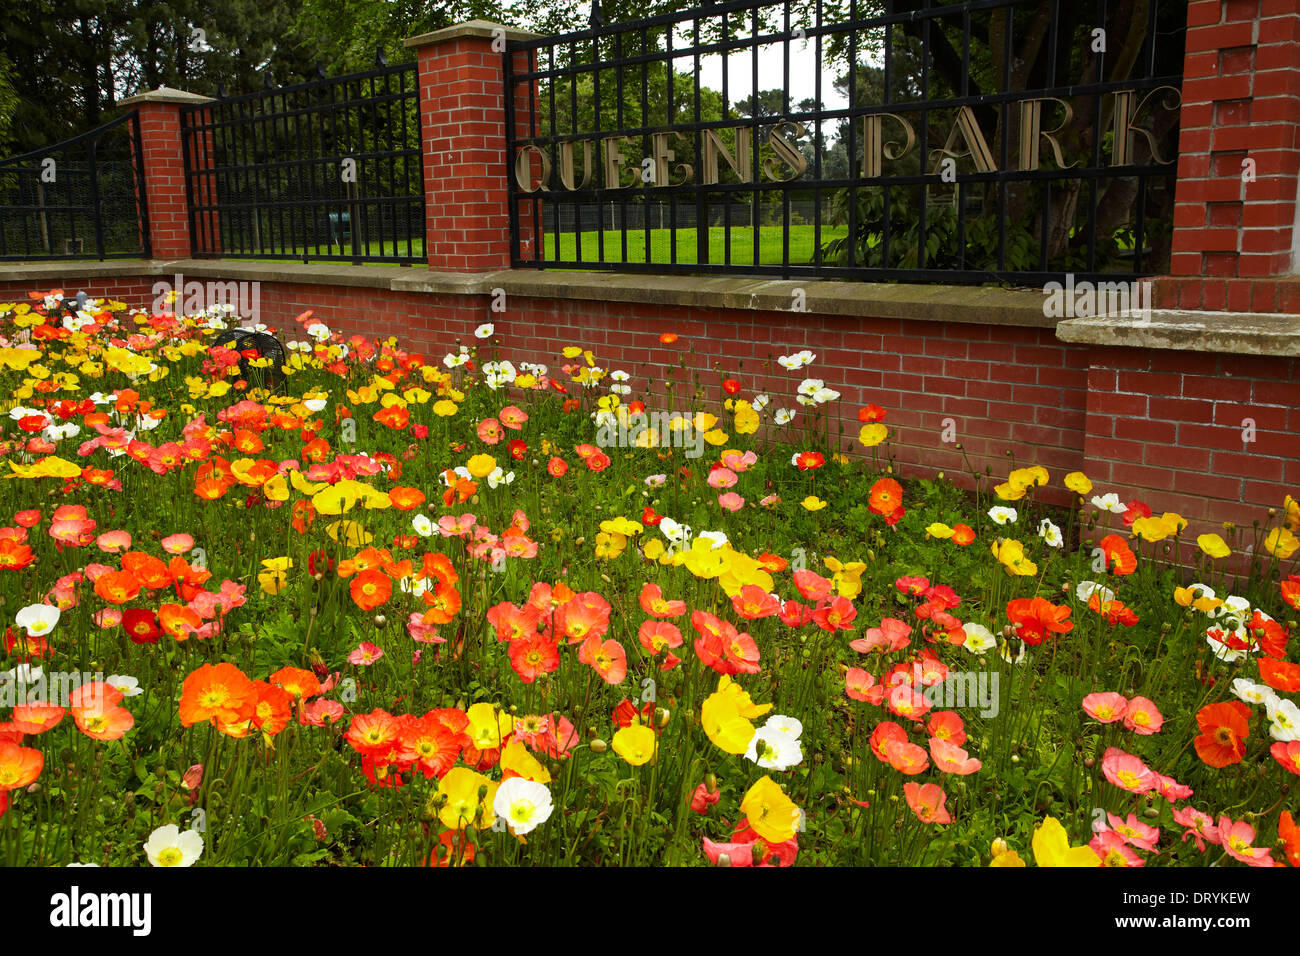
(165, 94)
(479, 29)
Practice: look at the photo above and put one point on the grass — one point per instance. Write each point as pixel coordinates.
(661, 242)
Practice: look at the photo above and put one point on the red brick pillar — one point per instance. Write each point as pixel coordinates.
(158, 113)
(1239, 157)
(463, 128)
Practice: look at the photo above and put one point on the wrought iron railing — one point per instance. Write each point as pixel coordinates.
(83, 198)
(324, 170)
(993, 140)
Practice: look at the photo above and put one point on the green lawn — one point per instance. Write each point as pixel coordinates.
(770, 245)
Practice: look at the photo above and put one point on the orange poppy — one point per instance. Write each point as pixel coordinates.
(444, 603)
(1224, 729)
(19, 766)
(217, 692)
(147, 569)
(1280, 675)
(1289, 834)
(404, 499)
(296, 682)
(103, 721)
(394, 416)
(370, 588)
(179, 621)
(273, 709)
(14, 556)
(963, 534)
(1119, 558)
(1038, 618)
(35, 718)
(886, 496)
(117, 587)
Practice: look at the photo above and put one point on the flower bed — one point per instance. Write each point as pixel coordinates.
(361, 606)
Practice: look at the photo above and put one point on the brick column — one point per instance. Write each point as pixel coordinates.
(1235, 213)
(463, 131)
(158, 113)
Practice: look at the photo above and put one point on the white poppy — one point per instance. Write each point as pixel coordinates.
(171, 846)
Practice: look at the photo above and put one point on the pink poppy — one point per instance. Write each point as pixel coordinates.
(738, 462)
(1112, 849)
(722, 478)
(701, 800)
(892, 635)
(365, 654)
(1143, 717)
(1127, 771)
(320, 712)
(113, 542)
(490, 431)
(927, 802)
(109, 617)
(1197, 825)
(731, 501)
(950, 758)
(177, 543)
(1171, 789)
(453, 526)
(513, 417)
(1237, 837)
(860, 685)
(1134, 831)
(1105, 707)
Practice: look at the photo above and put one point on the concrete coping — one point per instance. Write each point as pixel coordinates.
(1230, 333)
(1223, 332)
(479, 29)
(879, 300)
(165, 94)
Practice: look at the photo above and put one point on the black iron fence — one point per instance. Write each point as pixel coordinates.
(83, 198)
(324, 170)
(993, 140)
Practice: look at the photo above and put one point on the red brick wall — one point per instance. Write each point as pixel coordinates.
(1163, 426)
(1241, 101)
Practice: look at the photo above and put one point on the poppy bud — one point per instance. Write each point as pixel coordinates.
(598, 746)
(711, 782)
(999, 847)
(724, 859)
(757, 850)
(380, 620)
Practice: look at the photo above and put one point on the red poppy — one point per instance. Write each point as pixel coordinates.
(871, 413)
(141, 626)
(731, 386)
(1038, 618)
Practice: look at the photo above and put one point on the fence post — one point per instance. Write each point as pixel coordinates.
(1235, 212)
(158, 114)
(463, 133)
